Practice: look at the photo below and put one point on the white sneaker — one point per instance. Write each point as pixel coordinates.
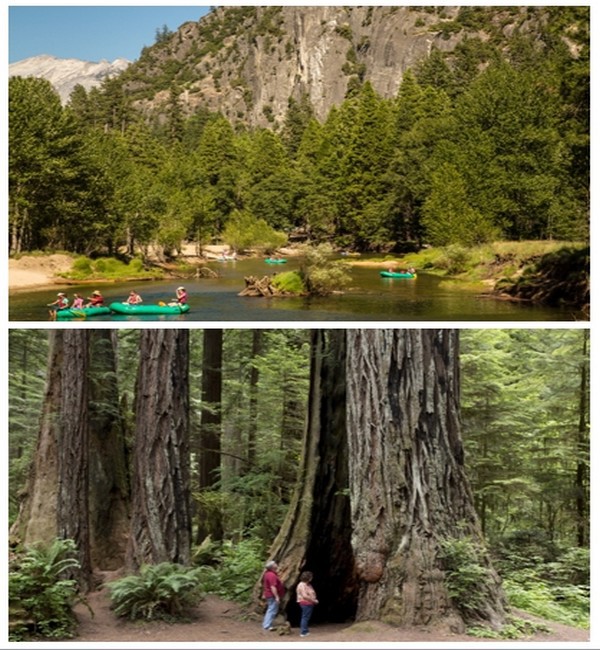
(307, 633)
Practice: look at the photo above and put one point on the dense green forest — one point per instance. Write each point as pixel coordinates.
(524, 398)
(492, 143)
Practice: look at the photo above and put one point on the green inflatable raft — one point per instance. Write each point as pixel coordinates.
(397, 274)
(132, 310)
(85, 312)
(275, 260)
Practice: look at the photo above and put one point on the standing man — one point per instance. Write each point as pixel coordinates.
(273, 592)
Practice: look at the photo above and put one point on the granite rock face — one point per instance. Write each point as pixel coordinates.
(313, 52)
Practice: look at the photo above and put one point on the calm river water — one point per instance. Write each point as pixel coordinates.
(369, 298)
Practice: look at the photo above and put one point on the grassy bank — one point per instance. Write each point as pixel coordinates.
(479, 268)
(110, 269)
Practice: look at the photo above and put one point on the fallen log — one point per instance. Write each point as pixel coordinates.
(257, 287)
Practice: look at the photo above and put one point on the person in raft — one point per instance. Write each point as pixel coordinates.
(134, 298)
(307, 599)
(180, 297)
(95, 300)
(61, 302)
(273, 592)
(77, 301)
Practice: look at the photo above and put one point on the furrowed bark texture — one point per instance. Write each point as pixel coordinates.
(72, 513)
(408, 487)
(160, 511)
(109, 476)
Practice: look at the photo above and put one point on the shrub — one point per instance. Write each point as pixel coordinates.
(239, 569)
(160, 591)
(289, 282)
(82, 265)
(41, 598)
(464, 573)
(320, 274)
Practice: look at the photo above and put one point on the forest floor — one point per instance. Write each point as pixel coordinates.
(219, 621)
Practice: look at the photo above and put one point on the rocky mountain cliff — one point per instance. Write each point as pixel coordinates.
(247, 62)
(65, 74)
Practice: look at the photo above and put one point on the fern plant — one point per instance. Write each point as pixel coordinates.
(41, 598)
(160, 591)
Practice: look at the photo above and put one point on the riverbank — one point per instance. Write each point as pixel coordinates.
(553, 273)
(545, 272)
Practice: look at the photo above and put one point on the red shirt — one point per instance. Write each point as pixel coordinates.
(271, 579)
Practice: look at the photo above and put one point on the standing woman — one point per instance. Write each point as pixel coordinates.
(273, 592)
(307, 599)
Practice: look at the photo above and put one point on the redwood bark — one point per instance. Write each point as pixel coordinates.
(408, 486)
(72, 513)
(160, 511)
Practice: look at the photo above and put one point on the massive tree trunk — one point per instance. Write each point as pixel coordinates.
(209, 465)
(77, 485)
(382, 496)
(72, 511)
(109, 473)
(160, 510)
(408, 488)
(316, 533)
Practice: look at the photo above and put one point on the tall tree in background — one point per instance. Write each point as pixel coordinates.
(160, 511)
(109, 484)
(209, 457)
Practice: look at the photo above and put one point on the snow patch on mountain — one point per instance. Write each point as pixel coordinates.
(65, 74)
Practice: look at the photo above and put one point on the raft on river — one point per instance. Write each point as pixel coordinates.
(132, 310)
(275, 260)
(397, 274)
(84, 312)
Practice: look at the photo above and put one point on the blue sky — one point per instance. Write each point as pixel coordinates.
(90, 33)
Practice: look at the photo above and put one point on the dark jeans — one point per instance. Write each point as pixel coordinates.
(307, 611)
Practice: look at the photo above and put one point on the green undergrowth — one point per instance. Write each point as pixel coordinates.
(110, 268)
(514, 628)
(289, 282)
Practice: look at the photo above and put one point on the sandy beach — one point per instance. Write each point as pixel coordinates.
(31, 271)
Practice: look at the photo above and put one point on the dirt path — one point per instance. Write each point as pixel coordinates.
(220, 621)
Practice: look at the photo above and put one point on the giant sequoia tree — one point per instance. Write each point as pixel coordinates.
(382, 491)
(160, 509)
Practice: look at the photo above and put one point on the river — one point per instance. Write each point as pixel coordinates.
(368, 298)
